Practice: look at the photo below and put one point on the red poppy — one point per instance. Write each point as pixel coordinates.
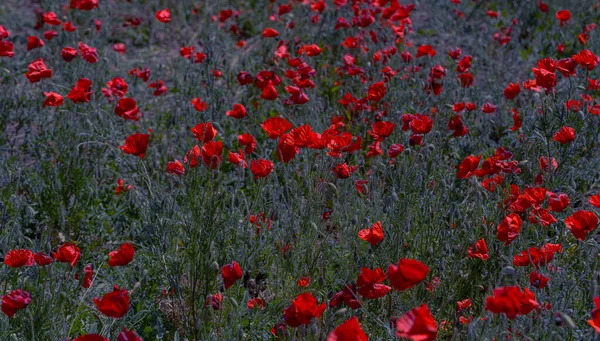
(91, 337)
(261, 168)
(248, 141)
(128, 109)
(128, 335)
(586, 58)
(269, 33)
(348, 331)
(175, 167)
(114, 304)
(237, 159)
(164, 16)
(407, 274)
(53, 99)
(37, 71)
(581, 223)
(122, 256)
(269, 92)
(257, 303)
(19, 258)
(69, 27)
(6, 48)
(231, 273)
(88, 275)
(119, 47)
(565, 135)
(509, 229)
(425, 50)
(488, 108)
(381, 130)
(595, 320)
(204, 132)
(67, 253)
(276, 126)
(84, 5)
(303, 282)
(376, 92)
(479, 250)
(343, 171)
(14, 301)
(198, 104)
(558, 203)
(468, 166)
(395, 150)
(81, 92)
(566, 67)
(369, 283)
(116, 87)
(563, 16)
(160, 87)
(420, 124)
(286, 148)
(50, 18)
(537, 280)
(89, 54)
(594, 200)
(34, 43)
(512, 90)
(42, 259)
(212, 154)
(136, 144)
(417, 325)
(544, 78)
(373, 235)
(302, 310)
(511, 301)
(537, 256)
(238, 111)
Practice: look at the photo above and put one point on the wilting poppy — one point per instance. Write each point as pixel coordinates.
(42, 259)
(537, 280)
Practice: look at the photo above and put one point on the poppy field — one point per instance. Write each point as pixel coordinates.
(339, 170)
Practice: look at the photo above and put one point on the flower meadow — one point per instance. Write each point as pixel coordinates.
(340, 170)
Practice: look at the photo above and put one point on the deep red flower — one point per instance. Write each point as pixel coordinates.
(479, 250)
(563, 16)
(42, 259)
(376, 92)
(261, 168)
(537, 256)
(198, 104)
(509, 229)
(53, 99)
(269, 33)
(37, 71)
(159, 87)
(348, 331)
(594, 200)
(286, 148)
(425, 50)
(581, 223)
(511, 301)
(128, 109)
(211, 153)
(248, 141)
(373, 235)
(14, 301)
(122, 256)
(164, 16)
(175, 167)
(417, 325)
(468, 166)
(136, 144)
(302, 310)
(238, 111)
(204, 132)
(114, 304)
(237, 159)
(544, 78)
(343, 171)
(369, 283)
(84, 5)
(6, 48)
(595, 320)
(50, 18)
(381, 129)
(537, 280)
(34, 43)
(276, 126)
(565, 135)
(407, 274)
(558, 203)
(420, 124)
(348, 296)
(395, 150)
(231, 273)
(67, 253)
(88, 275)
(89, 54)
(586, 58)
(512, 90)
(91, 337)
(128, 335)
(19, 258)
(81, 92)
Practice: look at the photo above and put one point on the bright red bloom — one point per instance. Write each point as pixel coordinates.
(276, 126)
(479, 250)
(119, 47)
(160, 87)
(369, 283)
(537, 280)
(566, 67)
(88, 275)
(420, 124)
(128, 335)
(89, 54)
(6, 48)
(136, 144)
(303, 282)
(537, 256)
(563, 16)
(238, 111)
(343, 171)
(269, 33)
(34, 43)
(373, 235)
(348, 296)
(67, 253)
(19, 258)
(81, 92)
(91, 337)
(164, 16)
(42, 259)
(204, 132)
(468, 166)
(248, 141)
(407, 274)
(53, 99)
(114, 304)
(425, 50)
(84, 5)
(122, 256)
(261, 168)
(565, 135)
(509, 229)
(581, 223)
(302, 310)
(511, 301)
(37, 71)
(14, 301)
(128, 109)
(116, 87)
(381, 130)
(4, 33)
(231, 273)
(286, 148)
(175, 167)
(594, 200)
(586, 58)
(376, 92)
(417, 325)
(348, 331)
(212, 154)
(395, 150)
(237, 159)
(512, 90)
(544, 78)
(595, 320)
(257, 303)
(198, 104)
(558, 203)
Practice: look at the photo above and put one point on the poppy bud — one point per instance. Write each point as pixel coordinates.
(341, 312)
(314, 330)
(508, 271)
(354, 219)
(216, 266)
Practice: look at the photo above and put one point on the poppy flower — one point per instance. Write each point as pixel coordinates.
(14, 301)
(509, 229)
(231, 273)
(114, 304)
(119, 47)
(127, 108)
(420, 124)
(237, 159)
(566, 67)
(204, 132)
(594, 200)
(468, 166)
(67, 253)
(302, 310)
(407, 274)
(257, 303)
(91, 337)
(238, 111)
(595, 320)
(425, 50)
(586, 58)
(395, 150)
(369, 283)
(34, 43)
(88, 53)
(81, 92)
(348, 331)
(4, 33)
(537, 280)
(373, 235)
(269, 33)
(581, 223)
(348, 296)
(88, 275)
(558, 203)
(212, 154)
(417, 325)
(116, 87)
(19, 258)
(53, 100)
(376, 92)
(122, 256)
(198, 104)
(479, 250)
(121, 187)
(261, 168)
(6, 49)
(159, 87)
(164, 16)
(286, 148)
(84, 5)
(50, 34)
(269, 92)
(136, 144)
(537, 256)
(565, 135)
(128, 335)
(175, 167)
(303, 282)
(544, 78)
(248, 141)
(511, 301)
(563, 16)
(69, 27)
(42, 259)
(276, 126)
(488, 108)
(512, 90)
(37, 71)
(381, 130)
(343, 171)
